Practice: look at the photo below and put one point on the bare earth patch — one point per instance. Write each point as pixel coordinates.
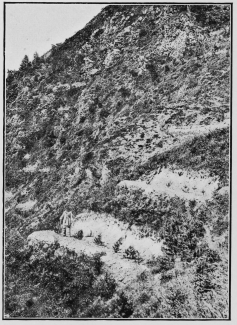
(124, 271)
(180, 183)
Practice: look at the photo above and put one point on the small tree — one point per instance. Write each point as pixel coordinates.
(25, 64)
(132, 253)
(98, 240)
(116, 246)
(36, 60)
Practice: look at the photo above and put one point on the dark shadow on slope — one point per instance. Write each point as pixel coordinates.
(207, 152)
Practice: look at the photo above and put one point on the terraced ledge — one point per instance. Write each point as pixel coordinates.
(124, 271)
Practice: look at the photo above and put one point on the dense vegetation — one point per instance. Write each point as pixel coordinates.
(46, 282)
(138, 90)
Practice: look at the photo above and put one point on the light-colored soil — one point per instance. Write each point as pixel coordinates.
(8, 196)
(179, 183)
(26, 205)
(123, 270)
(112, 230)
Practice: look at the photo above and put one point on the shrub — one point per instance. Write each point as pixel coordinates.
(79, 234)
(152, 69)
(166, 277)
(82, 119)
(88, 130)
(142, 33)
(132, 253)
(162, 264)
(116, 246)
(87, 157)
(98, 240)
(92, 108)
(104, 113)
(124, 92)
(134, 73)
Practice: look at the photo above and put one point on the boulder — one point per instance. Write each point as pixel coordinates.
(45, 236)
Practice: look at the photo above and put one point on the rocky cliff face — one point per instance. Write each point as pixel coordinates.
(137, 82)
(130, 116)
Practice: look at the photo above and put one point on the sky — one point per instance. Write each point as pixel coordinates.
(34, 28)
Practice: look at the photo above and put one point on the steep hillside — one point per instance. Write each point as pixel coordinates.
(130, 117)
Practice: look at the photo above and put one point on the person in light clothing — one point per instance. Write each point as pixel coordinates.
(66, 220)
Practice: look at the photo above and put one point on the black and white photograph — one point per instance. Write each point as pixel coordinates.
(117, 161)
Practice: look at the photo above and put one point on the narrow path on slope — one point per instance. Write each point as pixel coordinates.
(123, 270)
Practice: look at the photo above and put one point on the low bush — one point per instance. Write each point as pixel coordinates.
(116, 246)
(79, 234)
(124, 92)
(98, 240)
(104, 113)
(132, 253)
(161, 264)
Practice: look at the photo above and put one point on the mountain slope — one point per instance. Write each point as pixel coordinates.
(140, 96)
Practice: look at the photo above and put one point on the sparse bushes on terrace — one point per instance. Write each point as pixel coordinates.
(169, 217)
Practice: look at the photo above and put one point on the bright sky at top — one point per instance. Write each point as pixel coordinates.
(34, 28)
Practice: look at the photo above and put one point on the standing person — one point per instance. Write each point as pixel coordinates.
(66, 222)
